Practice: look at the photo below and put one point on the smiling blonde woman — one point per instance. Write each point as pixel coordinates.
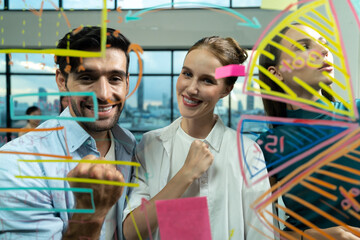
(197, 154)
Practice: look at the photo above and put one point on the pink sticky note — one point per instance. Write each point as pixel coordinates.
(232, 70)
(184, 218)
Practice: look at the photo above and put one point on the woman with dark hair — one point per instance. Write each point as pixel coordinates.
(31, 123)
(197, 155)
(314, 207)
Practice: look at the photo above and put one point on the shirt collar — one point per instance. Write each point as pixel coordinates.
(76, 135)
(216, 135)
(124, 138)
(214, 138)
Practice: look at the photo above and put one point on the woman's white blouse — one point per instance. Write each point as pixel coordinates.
(229, 200)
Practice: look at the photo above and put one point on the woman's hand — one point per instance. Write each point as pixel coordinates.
(198, 160)
(338, 233)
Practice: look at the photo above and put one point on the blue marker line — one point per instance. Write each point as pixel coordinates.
(302, 135)
(292, 137)
(336, 130)
(79, 119)
(261, 160)
(311, 133)
(292, 144)
(81, 190)
(248, 23)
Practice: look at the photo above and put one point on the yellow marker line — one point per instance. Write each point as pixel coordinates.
(262, 84)
(337, 82)
(303, 220)
(58, 52)
(333, 93)
(133, 219)
(231, 233)
(322, 183)
(332, 50)
(103, 29)
(338, 176)
(277, 81)
(292, 41)
(342, 70)
(338, 39)
(300, 100)
(322, 17)
(319, 191)
(330, 14)
(282, 48)
(83, 180)
(268, 55)
(308, 88)
(255, 56)
(317, 23)
(114, 162)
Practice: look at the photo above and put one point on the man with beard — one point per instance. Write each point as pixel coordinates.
(39, 203)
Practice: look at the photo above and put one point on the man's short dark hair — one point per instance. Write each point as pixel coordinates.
(89, 39)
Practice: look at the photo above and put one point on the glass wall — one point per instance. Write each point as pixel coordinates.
(150, 107)
(125, 4)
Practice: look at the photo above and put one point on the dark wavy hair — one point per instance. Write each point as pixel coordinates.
(89, 39)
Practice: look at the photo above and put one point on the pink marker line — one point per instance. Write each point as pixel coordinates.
(143, 208)
(349, 198)
(233, 70)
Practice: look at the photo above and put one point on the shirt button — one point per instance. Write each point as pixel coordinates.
(88, 142)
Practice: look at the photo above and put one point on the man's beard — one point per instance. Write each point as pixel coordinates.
(95, 126)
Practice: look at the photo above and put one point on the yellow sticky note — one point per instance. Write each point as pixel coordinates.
(278, 4)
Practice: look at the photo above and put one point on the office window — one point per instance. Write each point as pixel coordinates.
(138, 4)
(49, 105)
(88, 4)
(200, 3)
(246, 3)
(179, 57)
(149, 107)
(3, 137)
(2, 5)
(157, 62)
(2, 101)
(134, 64)
(32, 63)
(30, 4)
(2, 63)
(244, 104)
(176, 112)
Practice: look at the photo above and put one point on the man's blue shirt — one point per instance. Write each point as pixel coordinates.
(22, 210)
